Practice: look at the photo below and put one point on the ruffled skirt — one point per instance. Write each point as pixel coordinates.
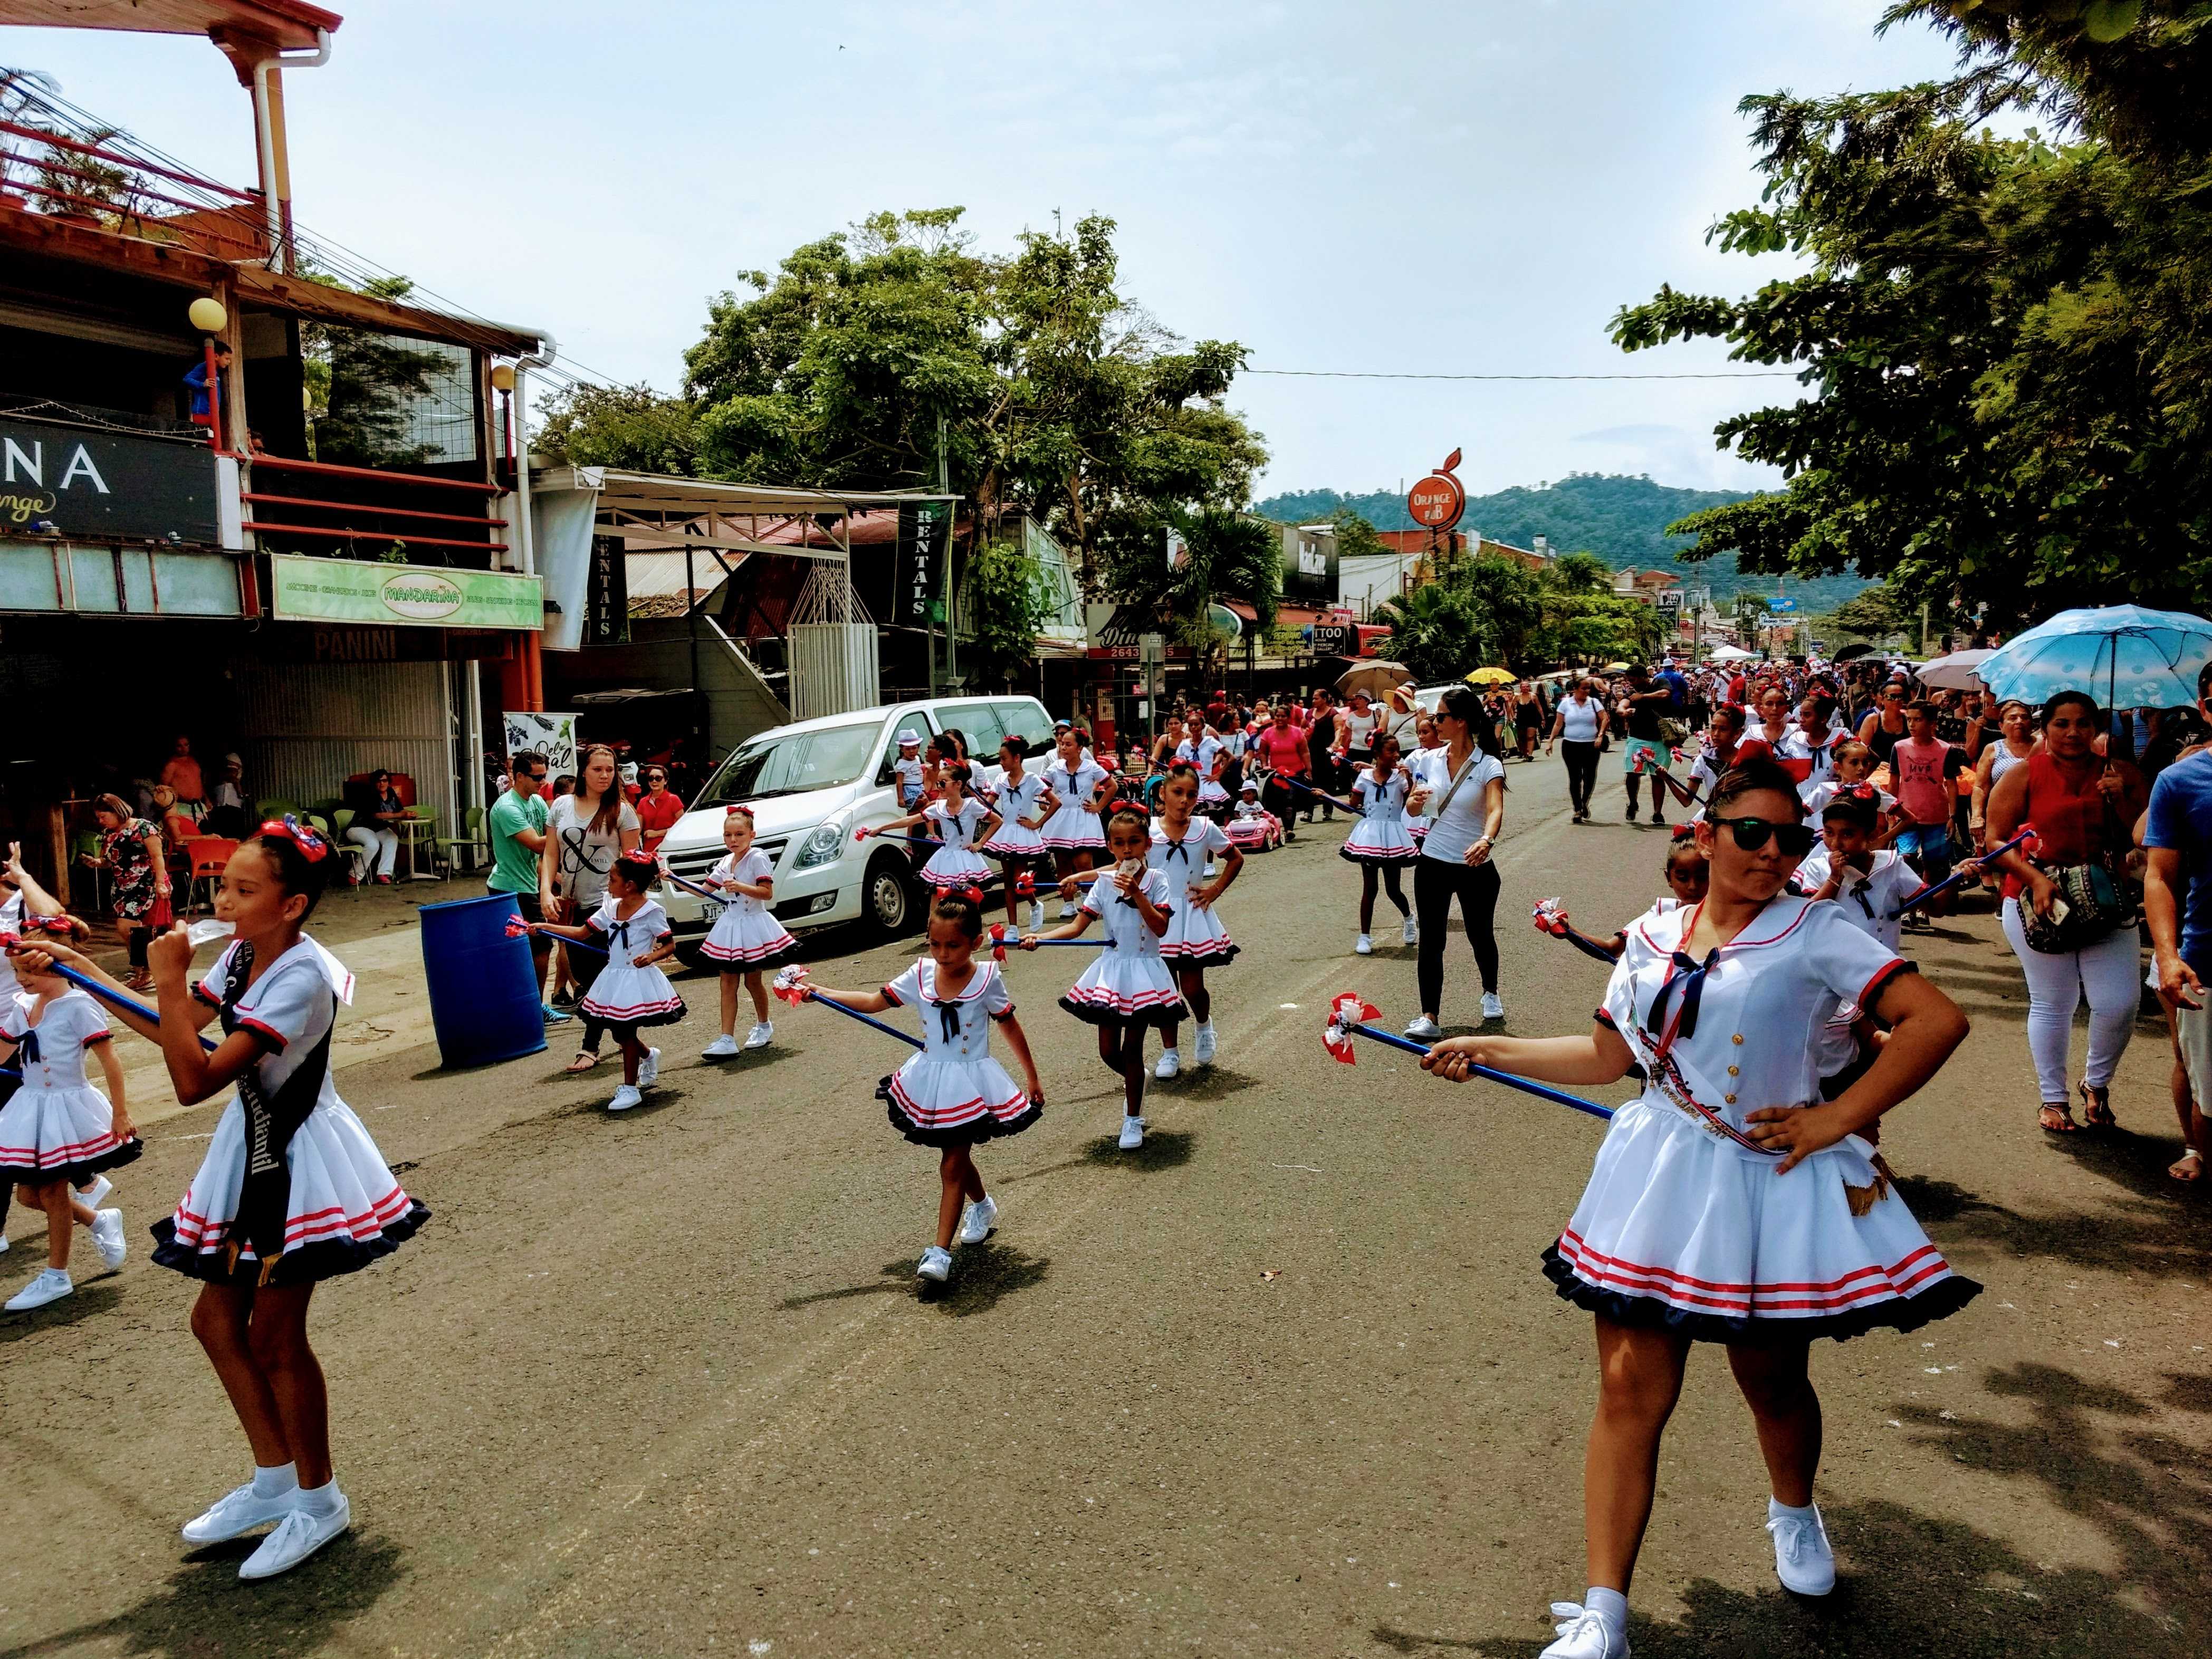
(1124, 988)
(1379, 838)
(626, 994)
(1011, 840)
(345, 1208)
(1196, 937)
(943, 1102)
(1680, 1230)
(60, 1135)
(955, 867)
(1072, 828)
(748, 939)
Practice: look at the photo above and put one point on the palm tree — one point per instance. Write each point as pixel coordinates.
(1434, 631)
(1227, 555)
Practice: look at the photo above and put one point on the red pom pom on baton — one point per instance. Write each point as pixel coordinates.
(998, 941)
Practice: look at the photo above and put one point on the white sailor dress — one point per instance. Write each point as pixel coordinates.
(324, 1204)
(1423, 766)
(954, 865)
(953, 1093)
(1381, 836)
(1196, 935)
(625, 994)
(1071, 828)
(1202, 755)
(1013, 839)
(1684, 1224)
(1866, 904)
(1127, 983)
(746, 934)
(57, 1127)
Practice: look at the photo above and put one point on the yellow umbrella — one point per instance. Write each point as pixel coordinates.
(1492, 676)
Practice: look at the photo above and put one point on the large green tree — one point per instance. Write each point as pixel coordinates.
(1227, 555)
(2005, 339)
(872, 359)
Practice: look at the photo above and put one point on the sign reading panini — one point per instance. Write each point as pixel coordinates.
(351, 590)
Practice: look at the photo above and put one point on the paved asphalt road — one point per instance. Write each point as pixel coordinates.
(1287, 1382)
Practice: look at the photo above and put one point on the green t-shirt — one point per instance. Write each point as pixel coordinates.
(514, 866)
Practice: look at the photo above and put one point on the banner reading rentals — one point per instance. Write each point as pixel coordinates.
(347, 590)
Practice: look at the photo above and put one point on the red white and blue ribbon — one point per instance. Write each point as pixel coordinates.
(792, 986)
(1551, 916)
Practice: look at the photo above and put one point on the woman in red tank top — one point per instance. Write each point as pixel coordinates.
(2080, 805)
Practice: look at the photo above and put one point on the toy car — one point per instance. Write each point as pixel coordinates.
(1256, 832)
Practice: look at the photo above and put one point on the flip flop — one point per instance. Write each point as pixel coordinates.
(2064, 1125)
(2097, 1108)
(584, 1061)
(2192, 1161)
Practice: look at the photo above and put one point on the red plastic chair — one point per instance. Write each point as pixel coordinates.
(205, 857)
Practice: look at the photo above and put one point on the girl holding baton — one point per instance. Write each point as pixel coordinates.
(1725, 1205)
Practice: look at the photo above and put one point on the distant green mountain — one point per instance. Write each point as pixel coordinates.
(1621, 520)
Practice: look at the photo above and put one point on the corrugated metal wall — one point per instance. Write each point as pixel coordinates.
(310, 726)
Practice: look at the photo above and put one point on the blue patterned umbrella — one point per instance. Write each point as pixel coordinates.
(2138, 659)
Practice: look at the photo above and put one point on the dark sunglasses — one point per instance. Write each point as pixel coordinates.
(1793, 841)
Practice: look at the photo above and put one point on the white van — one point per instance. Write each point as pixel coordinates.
(811, 785)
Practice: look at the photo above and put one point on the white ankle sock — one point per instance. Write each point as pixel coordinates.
(1609, 1605)
(1776, 1509)
(276, 1482)
(321, 1500)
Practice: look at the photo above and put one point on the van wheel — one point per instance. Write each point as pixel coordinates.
(887, 897)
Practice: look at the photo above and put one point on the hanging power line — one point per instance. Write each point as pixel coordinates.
(1384, 374)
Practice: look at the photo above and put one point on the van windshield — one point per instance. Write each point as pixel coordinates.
(794, 762)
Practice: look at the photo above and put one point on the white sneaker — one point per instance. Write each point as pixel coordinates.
(1493, 1006)
(720, 1048)
(761, 1036)
(4, 1243)
(1036, 915)
(1412, 930)
(1425, 1029)
(648, 1068)
(1132, 1134)
(1363, 946)
(1171, 1063)
(298, 1535)
(107, 1235)
(983, 1215)
(1584, 1634)
(1802, 1560)
(90, 1196)
(1013, 932)
(238, 1512)
(1066, 911)
(52, 1284)
(1208, 1045)
(625, 1098)
(936, 1265)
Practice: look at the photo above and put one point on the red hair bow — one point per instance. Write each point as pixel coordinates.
(312, 848)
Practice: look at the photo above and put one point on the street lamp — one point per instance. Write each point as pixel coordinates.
(207, 315)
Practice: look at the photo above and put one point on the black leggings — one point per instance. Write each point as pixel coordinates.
(1582, 772)
(1388, 875)
(1436, 884)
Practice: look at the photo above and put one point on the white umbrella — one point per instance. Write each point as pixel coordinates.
(1731, 654)
(1955, 672)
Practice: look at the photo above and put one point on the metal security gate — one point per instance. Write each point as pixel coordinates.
(834, 667)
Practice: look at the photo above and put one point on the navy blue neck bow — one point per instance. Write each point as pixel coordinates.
(1685, 986)
(27, 1047)
(948, 1018)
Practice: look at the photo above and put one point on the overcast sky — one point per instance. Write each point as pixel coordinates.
(1380, 187)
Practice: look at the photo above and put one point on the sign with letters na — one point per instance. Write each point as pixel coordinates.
(85, 482)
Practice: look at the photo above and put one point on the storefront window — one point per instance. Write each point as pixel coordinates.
(385, 400)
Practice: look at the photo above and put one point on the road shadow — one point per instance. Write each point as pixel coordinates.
(205, 1611)
(1164, 1149)
(88, 1301)
(2164, 1241)
(1203, 1083)
(982, 1275)
(1909, 1584)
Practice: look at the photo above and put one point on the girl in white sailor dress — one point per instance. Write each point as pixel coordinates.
(960, 821)
(58, 1131)
(1380, 843)
(292, 1191)
(746, 937)
(1183, 845)
(952, 1094)
(631, 992)
(1075, 831)
(1202, 751)
(1725, 1205)
(1126, 986)
(1019, 841)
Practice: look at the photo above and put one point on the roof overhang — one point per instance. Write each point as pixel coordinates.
(656, 511)
(287, 24)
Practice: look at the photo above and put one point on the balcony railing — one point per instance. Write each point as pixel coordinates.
(299, 510)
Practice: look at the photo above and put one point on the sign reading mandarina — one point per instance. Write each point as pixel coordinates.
(1437, 500)
(304, 589)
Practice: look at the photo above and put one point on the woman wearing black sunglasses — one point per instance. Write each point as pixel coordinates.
(1697, 1224)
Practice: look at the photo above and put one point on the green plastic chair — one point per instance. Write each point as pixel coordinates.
(472, 837)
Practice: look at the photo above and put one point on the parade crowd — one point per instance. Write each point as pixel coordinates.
(1763, 1003)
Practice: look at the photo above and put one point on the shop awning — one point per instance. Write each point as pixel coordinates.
(288, 24)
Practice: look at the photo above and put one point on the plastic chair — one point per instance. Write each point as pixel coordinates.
(472, 838)
(354, 854)
(205, 857)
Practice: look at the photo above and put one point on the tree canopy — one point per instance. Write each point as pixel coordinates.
(2005, 338)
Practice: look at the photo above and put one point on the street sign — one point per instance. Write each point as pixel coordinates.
(1437, 500)
(1782, 602)
(1670, 599)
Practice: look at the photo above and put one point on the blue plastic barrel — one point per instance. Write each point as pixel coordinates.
(483, 996)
